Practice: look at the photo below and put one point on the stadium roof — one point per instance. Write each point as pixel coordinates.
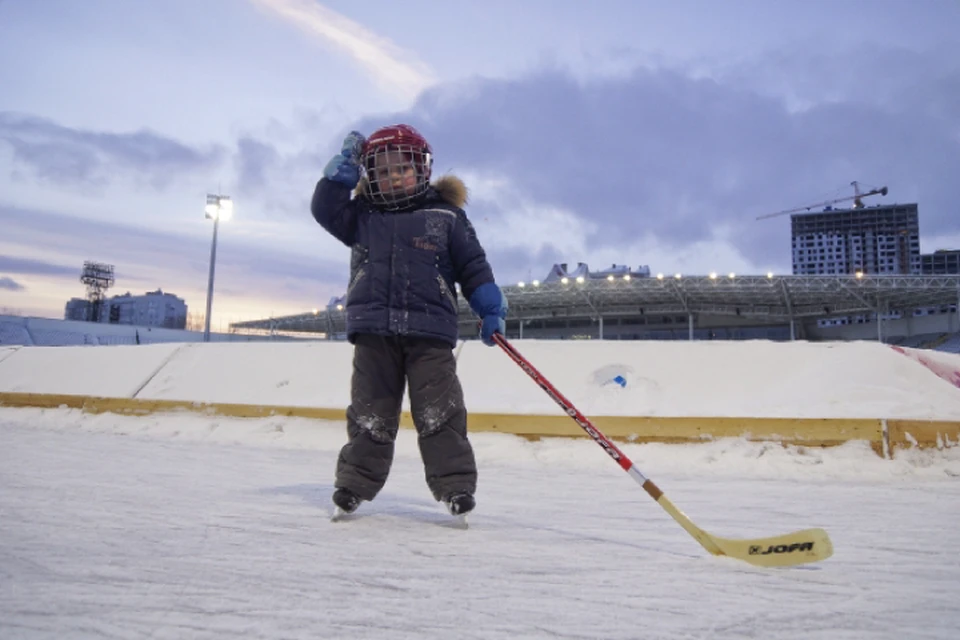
(769, 298)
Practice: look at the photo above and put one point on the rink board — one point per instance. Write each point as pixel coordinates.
(884, 435)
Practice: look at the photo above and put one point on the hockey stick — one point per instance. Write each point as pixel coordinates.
(799, 547)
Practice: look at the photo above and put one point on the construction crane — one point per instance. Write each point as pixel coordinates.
(857, 201)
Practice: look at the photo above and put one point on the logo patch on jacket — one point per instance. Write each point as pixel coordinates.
(424, 242)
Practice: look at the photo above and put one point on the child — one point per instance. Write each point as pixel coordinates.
(410, 242)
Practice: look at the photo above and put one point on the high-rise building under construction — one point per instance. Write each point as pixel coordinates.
(871, 240)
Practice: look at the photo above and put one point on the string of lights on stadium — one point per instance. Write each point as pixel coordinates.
(609, 305)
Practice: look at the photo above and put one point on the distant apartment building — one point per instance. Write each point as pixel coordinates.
(153, 309)
(78, 309)
(871, 240)
(942, 262)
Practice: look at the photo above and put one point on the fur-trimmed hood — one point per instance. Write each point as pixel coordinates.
(451, 190)
(448, 188)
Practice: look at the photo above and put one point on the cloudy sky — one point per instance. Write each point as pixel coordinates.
(634, 132)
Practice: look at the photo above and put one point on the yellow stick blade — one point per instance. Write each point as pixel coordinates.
(799, 547)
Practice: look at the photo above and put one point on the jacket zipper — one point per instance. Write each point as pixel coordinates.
(356, 279)
(445, 290)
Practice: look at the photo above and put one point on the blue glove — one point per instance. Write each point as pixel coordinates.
(489, 303)
(345, 166)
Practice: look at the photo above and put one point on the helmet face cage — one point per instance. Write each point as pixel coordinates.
(397, 163)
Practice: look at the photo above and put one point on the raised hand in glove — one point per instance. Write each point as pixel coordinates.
(489, 303)
(345, 166)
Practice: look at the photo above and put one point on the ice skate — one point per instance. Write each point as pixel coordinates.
(345, 502)
(459, 505)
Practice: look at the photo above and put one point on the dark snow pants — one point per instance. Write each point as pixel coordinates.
(382, 365)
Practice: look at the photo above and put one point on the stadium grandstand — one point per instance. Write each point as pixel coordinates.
(624, 304)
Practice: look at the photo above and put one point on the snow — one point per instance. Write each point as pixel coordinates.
(682, 379)
(193, 526)
(107, 371)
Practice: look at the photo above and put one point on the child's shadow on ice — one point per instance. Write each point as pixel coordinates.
(318, 496)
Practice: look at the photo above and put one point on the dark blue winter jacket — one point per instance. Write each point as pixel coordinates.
(404, 263)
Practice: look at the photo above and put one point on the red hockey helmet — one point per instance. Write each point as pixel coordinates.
(397, 161)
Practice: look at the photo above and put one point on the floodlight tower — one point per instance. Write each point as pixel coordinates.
(98, 277)
(219, 207)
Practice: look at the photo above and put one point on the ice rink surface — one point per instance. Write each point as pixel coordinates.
(179, 526)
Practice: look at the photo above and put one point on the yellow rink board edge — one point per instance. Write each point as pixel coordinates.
(884, 435)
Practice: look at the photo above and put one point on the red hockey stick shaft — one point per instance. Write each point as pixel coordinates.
(612, 450)
(798, 547)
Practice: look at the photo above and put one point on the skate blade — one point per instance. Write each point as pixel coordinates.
(338, 514)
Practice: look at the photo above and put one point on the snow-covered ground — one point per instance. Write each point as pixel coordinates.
(183, 526)
(755, 378)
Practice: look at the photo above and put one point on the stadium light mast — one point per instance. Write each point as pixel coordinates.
(219, 207)
(98, 277)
